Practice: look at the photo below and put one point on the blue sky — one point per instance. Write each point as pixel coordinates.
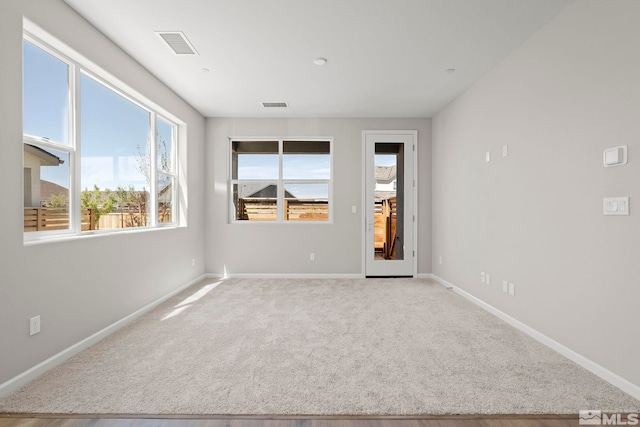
(385, 160)
(112, 127)
(294, 166)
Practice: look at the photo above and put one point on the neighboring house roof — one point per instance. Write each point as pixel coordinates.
(261, 190)
(47, 158)
(165, 194)
(48, 189)
(385, 173)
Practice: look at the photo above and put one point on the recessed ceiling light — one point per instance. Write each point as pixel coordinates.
(320, 61)
(451, 70)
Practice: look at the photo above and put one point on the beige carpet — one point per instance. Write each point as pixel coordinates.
(322, 347)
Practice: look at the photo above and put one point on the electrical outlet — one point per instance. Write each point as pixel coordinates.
(34, 325)
(505, 286)
(440, 260)
(354, 209)
(487, 279)
(193, 262)
(505, 150)
(482, 277)
(512, 289)
(487, 156)
(312, 256)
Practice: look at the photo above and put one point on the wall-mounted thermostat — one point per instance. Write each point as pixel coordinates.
(615, 156)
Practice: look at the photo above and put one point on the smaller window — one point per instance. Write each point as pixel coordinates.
(46, 95)
(284, 180)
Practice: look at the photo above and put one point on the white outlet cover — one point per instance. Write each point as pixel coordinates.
(505, 286)
(487, 278)
(505, 150)
(487, 156)
(512, 289)
(482, 277)
(34, 325)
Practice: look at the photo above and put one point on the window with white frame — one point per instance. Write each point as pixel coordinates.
(281, 180)
(95, 158)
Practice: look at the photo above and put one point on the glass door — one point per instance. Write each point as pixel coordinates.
(389, 177)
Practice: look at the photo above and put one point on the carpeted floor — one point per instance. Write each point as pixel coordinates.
(318, 347)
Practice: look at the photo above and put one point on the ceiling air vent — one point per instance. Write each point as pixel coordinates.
(178, 42)
(275, 105)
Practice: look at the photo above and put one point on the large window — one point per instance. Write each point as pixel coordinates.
(95, 158)
(280, 180)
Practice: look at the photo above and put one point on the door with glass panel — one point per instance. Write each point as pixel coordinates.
(389, 203)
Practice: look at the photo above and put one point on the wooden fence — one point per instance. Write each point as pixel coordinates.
(385, 216)
(49, 219)
(266, 209)
(115, 220)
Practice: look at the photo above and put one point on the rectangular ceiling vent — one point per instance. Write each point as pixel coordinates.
(177, 42)
(275, 105)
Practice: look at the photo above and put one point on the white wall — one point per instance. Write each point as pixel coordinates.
(535, 218)
(83, 285)
(284, 248)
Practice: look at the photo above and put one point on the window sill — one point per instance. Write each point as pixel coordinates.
(58, 238)
(284, 222)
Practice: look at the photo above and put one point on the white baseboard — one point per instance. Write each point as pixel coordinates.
(425, 276)
(611, 377)
(286, 276)
(30, 374)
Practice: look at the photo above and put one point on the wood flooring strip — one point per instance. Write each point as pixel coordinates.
(295, 417)
(9, 420)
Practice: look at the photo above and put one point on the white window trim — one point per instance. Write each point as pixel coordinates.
(280, 181)
(79, 65)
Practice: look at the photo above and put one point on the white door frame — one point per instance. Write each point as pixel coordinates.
(363, 204)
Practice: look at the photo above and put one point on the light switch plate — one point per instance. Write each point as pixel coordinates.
(487, 156)
(615, 206)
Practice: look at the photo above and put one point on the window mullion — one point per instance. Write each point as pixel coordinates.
(75, 205)
(174, 173)
(153, 172)
(280, 187)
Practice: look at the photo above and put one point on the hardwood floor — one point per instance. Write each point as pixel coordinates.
(450, 421)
